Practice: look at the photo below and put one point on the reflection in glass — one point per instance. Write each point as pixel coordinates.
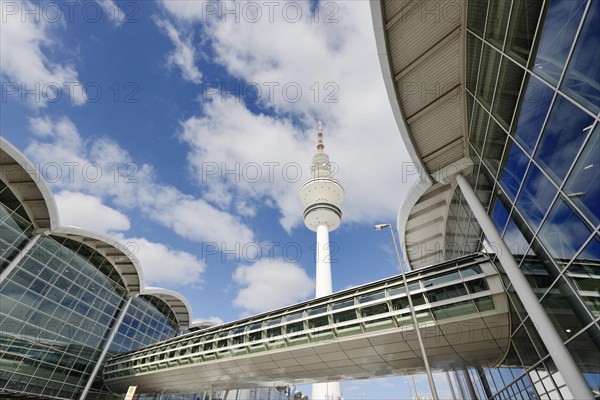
(473, 56)
(470, 102)
(494, 145)
(558, 33)
(499, 215)
(540, 274)
(507, 93)
(525, 348)
(584, 274)
(517, 236)
(533, 111)
(563, 233)
(487, 75)
(583, 185)
(476, 16)
(496, 22)
(483, 188)
(536, 196)
(514, 169)
(478, 128)
(563, 135)
(582, 80)
(584, 349)
(523, 21)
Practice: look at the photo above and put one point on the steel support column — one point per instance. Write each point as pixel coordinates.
(107, 345)
(559, 353)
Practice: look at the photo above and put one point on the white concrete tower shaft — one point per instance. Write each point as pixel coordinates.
(322, 197)
(324, 285)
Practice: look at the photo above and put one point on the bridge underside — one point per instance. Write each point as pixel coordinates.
(477, 341)
(359, 333)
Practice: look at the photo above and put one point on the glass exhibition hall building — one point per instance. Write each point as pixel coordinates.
(498, 103)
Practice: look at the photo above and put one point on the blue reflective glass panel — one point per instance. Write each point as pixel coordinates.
(582, 80)
(583, 185)
(563, 135)
(499, 215)
(564, 232)
(533, 112)
(514, 170)
(536, 196)
(560, 27)
(585, 349)
(514, 237)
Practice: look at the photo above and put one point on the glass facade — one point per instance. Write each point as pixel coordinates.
(532, 87)
(59, 301)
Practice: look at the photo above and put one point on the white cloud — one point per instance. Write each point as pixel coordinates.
(361, 135)
(88, 212)
(113, 12)
(24, 64)
(247, 158)
(270, 284)
(184, 55)
(100, 167)
(41, 126)
(161, 264)
(165, 266)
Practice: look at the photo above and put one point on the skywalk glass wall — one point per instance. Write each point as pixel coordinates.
(533, 98)
(464, 295)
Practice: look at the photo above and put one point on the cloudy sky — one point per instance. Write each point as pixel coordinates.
(184, 129)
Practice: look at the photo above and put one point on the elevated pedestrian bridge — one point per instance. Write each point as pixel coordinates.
(362, 332)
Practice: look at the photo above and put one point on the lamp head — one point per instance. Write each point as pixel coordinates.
(382, 226)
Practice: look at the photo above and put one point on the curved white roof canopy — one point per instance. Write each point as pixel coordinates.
(422, 59)
(24, 180)
(29, 187)
(115, 252)
(178, 304)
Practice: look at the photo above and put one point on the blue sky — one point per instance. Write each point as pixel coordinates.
(185, 129)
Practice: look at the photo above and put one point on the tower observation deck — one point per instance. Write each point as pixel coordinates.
(322, 195)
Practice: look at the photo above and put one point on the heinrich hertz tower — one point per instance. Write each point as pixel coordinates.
(322, 196)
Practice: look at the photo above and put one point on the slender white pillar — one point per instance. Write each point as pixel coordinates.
(323, 275)
(450, 385)
(414, 319)
(460, 385)
(326, 391)
(107, 345)
(18, 257)
(324, 287)
(559, 353)
(469, 383)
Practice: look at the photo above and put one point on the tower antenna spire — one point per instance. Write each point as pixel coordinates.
(320, 145)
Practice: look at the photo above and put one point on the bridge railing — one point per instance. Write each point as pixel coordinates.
(441, 293)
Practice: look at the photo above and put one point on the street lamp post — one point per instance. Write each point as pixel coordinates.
(412, 311)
